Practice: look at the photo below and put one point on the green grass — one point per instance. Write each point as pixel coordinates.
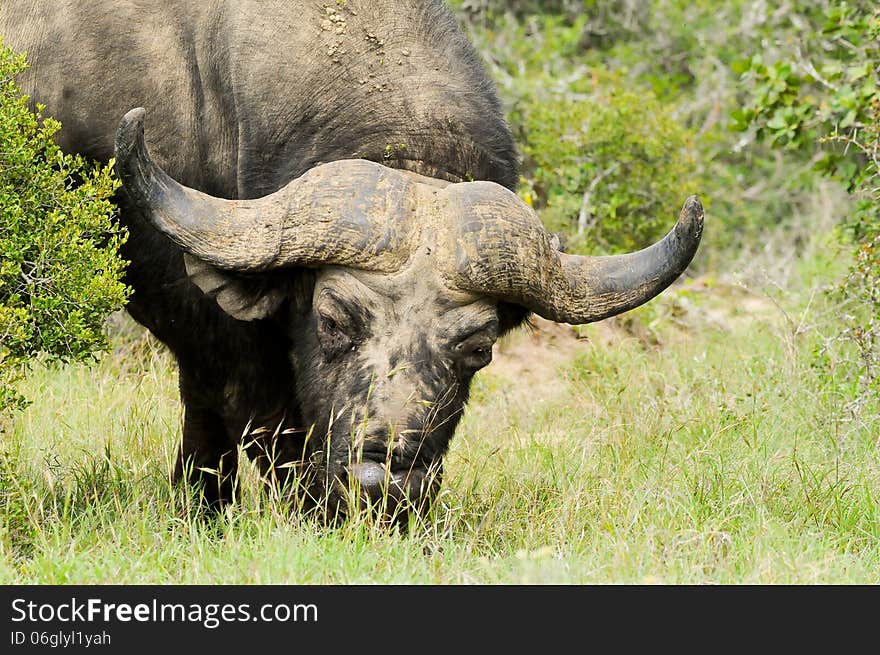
(729, 452)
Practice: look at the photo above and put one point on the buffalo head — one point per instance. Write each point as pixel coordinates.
(398, 286)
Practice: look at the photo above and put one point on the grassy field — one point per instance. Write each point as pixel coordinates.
(710, 440)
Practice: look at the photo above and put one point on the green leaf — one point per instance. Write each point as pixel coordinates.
(777, 121)
(849, 119)
(858, 71)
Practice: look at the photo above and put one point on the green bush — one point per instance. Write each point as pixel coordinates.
(823, 99)
(60, 268)
(606, 163)
(611, 170)
(678, 58)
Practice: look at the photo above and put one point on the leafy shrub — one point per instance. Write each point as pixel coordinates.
(60, 268)
(611, 171)
(828, 95)
(680, 58)
(823, 98)
(606, 163)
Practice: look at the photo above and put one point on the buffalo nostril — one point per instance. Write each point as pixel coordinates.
(370, 476)
(377, 484)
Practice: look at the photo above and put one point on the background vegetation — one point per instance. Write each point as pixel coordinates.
(725, 432)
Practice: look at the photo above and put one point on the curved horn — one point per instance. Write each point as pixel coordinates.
(346, 213)
(525, 268)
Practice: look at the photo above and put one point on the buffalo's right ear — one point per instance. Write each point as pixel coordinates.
(243, 297)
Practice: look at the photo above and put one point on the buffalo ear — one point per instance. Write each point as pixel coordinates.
(243, 297)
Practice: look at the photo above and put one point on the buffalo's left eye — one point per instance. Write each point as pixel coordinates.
(474, 354)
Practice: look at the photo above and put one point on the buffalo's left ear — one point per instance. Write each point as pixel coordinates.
(243, 297)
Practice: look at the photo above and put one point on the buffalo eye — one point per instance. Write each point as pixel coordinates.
(334, 335)
(474, 354)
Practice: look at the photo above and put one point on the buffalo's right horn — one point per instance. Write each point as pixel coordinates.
(345, 213)
(502, 249)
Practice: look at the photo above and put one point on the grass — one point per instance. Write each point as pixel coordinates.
(714, 440)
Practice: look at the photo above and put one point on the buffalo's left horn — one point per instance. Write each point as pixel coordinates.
(345, 213)
(502, 249)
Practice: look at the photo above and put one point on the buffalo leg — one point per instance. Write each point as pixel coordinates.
(207, 459)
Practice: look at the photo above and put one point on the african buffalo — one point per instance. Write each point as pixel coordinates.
(323, 229)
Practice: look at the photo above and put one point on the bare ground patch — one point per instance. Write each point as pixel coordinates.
(533, 355)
